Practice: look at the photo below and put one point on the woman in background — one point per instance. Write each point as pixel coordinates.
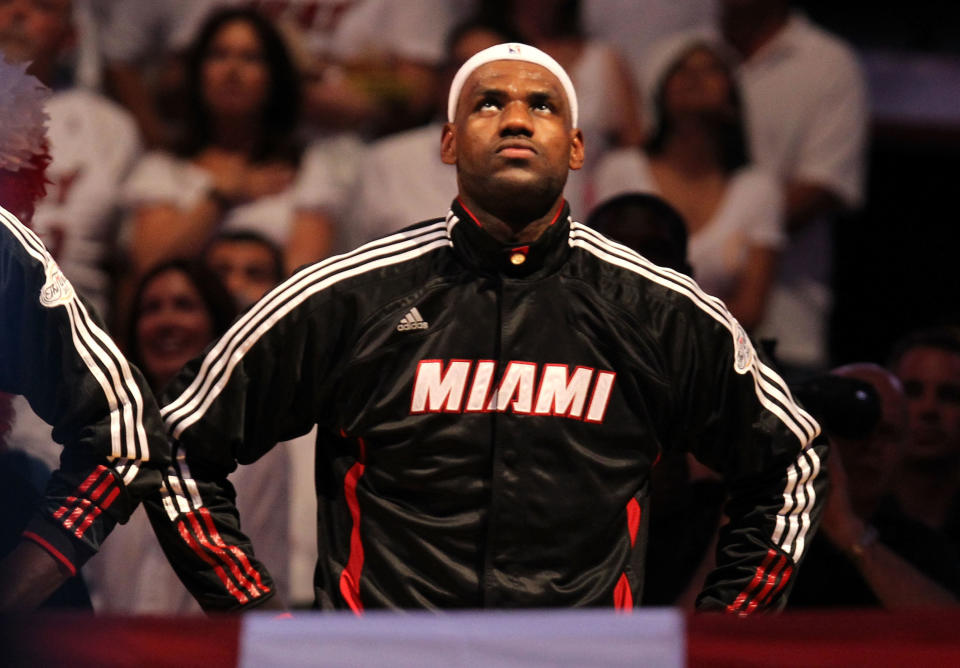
(696, 159)
(235, 166)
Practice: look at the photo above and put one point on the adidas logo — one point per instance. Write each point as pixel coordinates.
(412, 320)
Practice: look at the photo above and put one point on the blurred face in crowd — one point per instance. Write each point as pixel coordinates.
(931, 382)
(248, 269)
(174, 325)
(512, 135)
(699, 82)
(32, 30)
(871, 461)
(236, 79)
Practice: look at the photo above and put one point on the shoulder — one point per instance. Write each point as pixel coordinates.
(18, 241)
(22, 252)
(399, 144)
(382, 257)
(818, 45)
(97, 107)
(626, 277)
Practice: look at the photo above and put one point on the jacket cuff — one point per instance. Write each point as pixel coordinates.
(55, 539)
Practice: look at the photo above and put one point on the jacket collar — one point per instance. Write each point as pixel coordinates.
(480, 251)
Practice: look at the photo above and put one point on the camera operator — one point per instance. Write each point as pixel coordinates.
(868, 553)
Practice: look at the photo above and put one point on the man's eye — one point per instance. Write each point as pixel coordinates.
(541, 106)
(489, 104)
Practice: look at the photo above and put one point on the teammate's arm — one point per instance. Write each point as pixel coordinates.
(55, 352)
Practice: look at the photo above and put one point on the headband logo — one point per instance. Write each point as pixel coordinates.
(513, 49)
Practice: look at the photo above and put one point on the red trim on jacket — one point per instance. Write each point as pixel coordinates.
(622, 596)
(743, 605)
(54, 552)
(350, 577)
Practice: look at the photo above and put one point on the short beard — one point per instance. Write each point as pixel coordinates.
(517, 204)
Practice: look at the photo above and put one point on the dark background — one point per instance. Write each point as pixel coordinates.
(897, 261)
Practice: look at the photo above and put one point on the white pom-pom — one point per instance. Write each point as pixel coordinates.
(22, 116)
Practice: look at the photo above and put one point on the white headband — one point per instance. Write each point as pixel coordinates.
(510, 51)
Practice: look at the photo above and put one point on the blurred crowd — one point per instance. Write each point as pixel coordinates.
(204, 149)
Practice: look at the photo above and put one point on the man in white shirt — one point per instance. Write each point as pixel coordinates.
(806, 103)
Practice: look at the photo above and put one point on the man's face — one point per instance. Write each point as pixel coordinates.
(33, 29)
(931, 382)
(512, 134)
(247, 268)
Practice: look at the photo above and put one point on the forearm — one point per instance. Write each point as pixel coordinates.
(29, 576)
(894, 580)
(807, 202)
(165, 232)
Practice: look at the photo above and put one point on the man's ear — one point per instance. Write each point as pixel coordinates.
(448, 144)
(576, 149)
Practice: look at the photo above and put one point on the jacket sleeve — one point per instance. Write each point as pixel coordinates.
(740, 419)
(56, 353)
(257, 385)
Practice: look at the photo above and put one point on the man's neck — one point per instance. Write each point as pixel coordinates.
(749, 35)
(512, 226)
(691, 150)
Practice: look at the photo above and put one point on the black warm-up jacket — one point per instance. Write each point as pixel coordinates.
(488, 419)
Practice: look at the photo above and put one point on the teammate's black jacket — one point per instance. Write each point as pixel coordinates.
(488, 419)
(54, 350)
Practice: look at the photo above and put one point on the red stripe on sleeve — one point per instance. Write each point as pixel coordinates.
(101, 488)
(80, 530)
(92, 478)
(787, 572)
(771, 580)
(237, 553)
(62, 510)
(222, 574)
(222, 555)
(757, 579)
(54, 552)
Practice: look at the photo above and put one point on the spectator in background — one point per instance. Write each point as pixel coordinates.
(238, 159)
(634, 25)
(868, 553)
(247, 263)
(93, 143)
(609, 112)
(178, 308)
(807, 119)
(927, 485)
(696, 158)
(402, 177)
(369, 58)
(647, 224)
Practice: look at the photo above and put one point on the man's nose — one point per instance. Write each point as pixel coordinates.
(925, 405)
(516, 119)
